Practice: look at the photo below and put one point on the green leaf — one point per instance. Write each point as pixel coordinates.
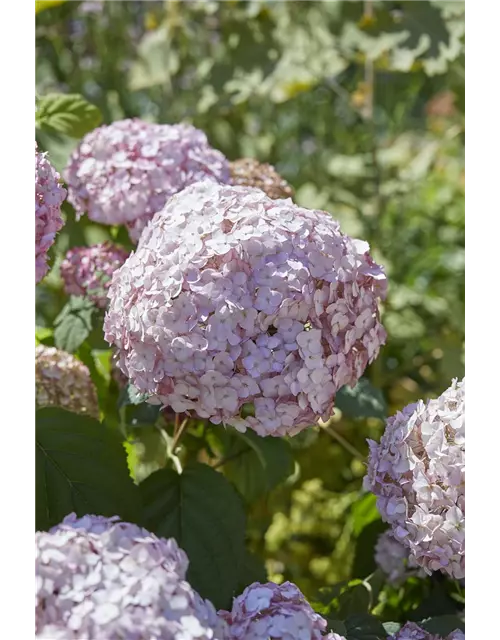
(437, 603)
(202, 511)
(255, 465)
(141, 415)
(252, 570)
(69, 114)
(41, 5)
(146, 452)
(354, 600)
(130, 395)
(364, 401)
(391, 627)
(364, 511)
(364, 560)
(43, 334)
(73, 324)
(81, 466)
(337, 626)
(364, 627)
(443, 625)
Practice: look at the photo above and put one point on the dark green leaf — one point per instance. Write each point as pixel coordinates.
(364, 401)
(81, 466)
(337, 626)
(364, 627)
(69, 114)
(73, 324)
(255, 465)
(138, 415)
(252, 570)
(364, 560)
(202, 511)
(354, 600)
(443, 625)
(437, 603)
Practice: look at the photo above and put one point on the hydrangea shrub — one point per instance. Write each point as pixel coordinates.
(234, 326)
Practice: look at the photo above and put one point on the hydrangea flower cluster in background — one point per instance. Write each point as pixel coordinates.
(98, 577)
(235, 299)
(417, 473)
(275, 611)
(87, 271)
(49, 196)
(125, 172)
(248, 172)
(411, 631)
(393, 558)
(64, 381)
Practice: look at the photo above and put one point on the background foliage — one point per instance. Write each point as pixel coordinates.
(360, 106)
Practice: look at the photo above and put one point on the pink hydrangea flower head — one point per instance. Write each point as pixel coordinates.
(235, 300)
(124, 173)
(64, 381)
(87, 271)
(97, 577)
(411, 631)
(49, 196)
(394, 559)
(274, 611)
(417, 472)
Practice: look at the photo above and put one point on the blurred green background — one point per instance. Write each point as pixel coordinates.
(360, 106)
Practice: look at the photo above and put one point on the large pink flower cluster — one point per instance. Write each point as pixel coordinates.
(87, 271)
(235, 300)
(49, 196)
(411, 631)
(417, 472)
(394, 559)
(275, 611)
(126, 171)
(98, 577)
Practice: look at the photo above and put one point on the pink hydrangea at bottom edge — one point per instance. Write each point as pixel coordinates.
(275, 611)
(49, 196)
(87, 271)
(411, 631)
(123, 173)
(393, 558)
(417, 472)
(97, 577)
(233, 299)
